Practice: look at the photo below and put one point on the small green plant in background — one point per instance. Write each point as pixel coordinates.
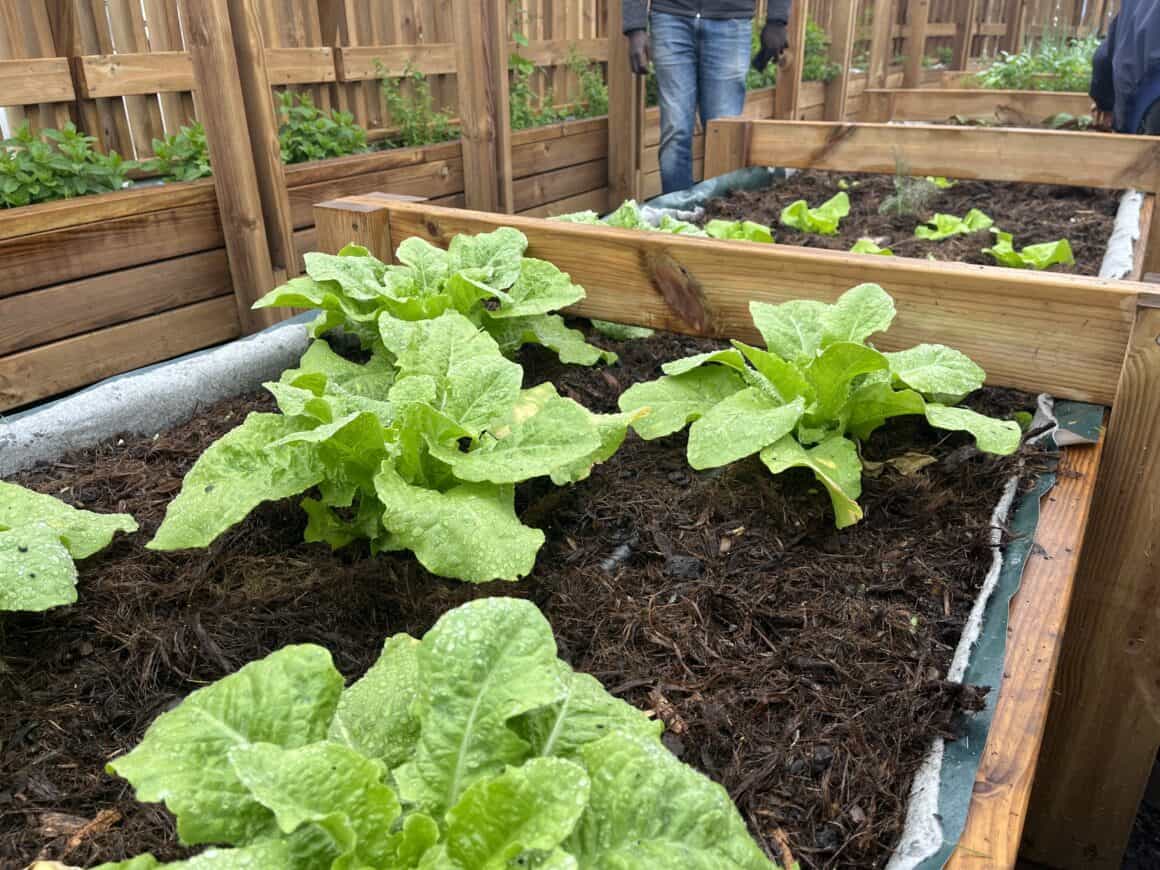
(528, 109)
(56, 164)
(815, 391)
(943, 226)
(1037, 257)
(823, 220)
(309, 133)
(40, 536)
(912, 197)
(629, 216)
(473, 748)
(412, 110)
(869, 246)
(184, 156)
(1056, 63)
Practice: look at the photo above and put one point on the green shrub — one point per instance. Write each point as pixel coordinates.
(414, 113)
(1056, 64)
(56, 164)
(308, 133)
(183, 156)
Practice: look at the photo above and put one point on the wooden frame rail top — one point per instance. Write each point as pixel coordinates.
(1078, 159)
(935, 104)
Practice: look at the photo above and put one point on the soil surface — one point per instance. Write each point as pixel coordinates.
(1033, 213)
(800, 666)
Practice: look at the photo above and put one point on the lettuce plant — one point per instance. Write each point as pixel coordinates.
(822, 220)
(416, 450)
(746, 231)
(1031, 257)
(947, 225)
(869, 246)
(629, 216)
(486, 278)
(816, 389)
(941, 182)
(40, 536)
(475, 748)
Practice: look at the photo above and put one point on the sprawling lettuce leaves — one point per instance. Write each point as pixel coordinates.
(475, 748)
(816, 388)
(630, 216)
(943, 226)
(747, 231)
(418, 449)
(40, 536)
(823, 220)
(486, 278)
(941, 181)
(869, 246)
(1031, 257)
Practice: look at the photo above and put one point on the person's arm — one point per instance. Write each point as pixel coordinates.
(1103, 91)
(774, 37)
(633, 15)
(634, 21)
(778, 12)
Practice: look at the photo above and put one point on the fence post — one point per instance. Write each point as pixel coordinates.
(918, 15)
(484, 111)
(843, 24)
(222, 106)
(881, 40)
(1013, 38)
(789, 72)
(625, 115)
(965, 25)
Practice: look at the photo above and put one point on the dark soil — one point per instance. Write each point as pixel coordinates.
(800, 666)
(1033, 213)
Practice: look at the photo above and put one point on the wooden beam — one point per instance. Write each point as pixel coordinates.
(880, 42)
(1016, 15)
(942, 104)
(1079, 159)
(554, 52)
(625, 137)
(366, 222)
(787, 96)
(361, 62)
(1140, 262)
(1034, 331)
(223, 105)
(844, 19)
(118, 75)
(1036, 638)
(431, 179)
(968, 19)
(35, 80)
(726, 148)
(918, 18)
(481, 36)
(1104, 726)
(300, 66)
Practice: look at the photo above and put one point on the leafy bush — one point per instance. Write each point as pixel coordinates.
(946, 225)
(308, 133)
(1038, 256)
(56, 164)
(183, 156)
(413, 112)
(816, 390)
(527, 108)
(475, 747)
(1055, 64)
(40, 537)
(823, 220)
(486, 278)
(418, 449)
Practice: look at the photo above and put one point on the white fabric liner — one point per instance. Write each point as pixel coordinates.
(1118, 257)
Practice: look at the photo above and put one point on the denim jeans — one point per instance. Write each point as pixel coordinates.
(701, 64)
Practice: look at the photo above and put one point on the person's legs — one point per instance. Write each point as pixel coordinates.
(723, 65)
(674, 52)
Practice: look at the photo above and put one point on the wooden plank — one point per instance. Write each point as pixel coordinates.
(1035, 640)
(625, 136)
(1016, 20)
(556, 153)
(918, 15)
(594, 200)
(1035, 331)
(165, 35)
(485, 122)
(360, 62)
(550, 52)
(726, 148)
(546, 187)
(209, 35)
(298, 66)
(789, 74)
(880, 42)
(843, 21)
(35, 80)
(964, 33)
(85, 359)
(927, 104)
(1140, 248)
(1104, 727)
(367, 225)
(83, 250)
(1080, 159)
(116, 75)
(75, 307)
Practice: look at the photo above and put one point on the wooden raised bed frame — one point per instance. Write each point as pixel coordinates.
(1075, 337)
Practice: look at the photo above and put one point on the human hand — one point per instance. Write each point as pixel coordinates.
(1101, 119)
(774, 42)
(639, 56)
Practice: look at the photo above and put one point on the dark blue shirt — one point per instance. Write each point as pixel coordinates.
(1126, 66)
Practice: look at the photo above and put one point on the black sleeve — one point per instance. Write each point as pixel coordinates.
(1103, 91)
(779, 11)
(634, 15)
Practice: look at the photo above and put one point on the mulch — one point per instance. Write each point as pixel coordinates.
(801, 666)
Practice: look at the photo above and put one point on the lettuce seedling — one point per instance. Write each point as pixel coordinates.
(947, 225)
(869, 246)
(629, 216)
(941, 182)
(822, 220)
(40, 536)
(747, 231)
(418, 449)
(473, 748)
(1033, 256)
(815, 391)
(486, 278)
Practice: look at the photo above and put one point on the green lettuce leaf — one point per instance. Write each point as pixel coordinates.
(869, 246)
(792, 330)
(628, 217)
(675, 400)
(36, 569)
(740, 426)
(539, 289)
(1038, 256)
(1001, 437)
(82, 533)
(729, 357)
(935, 370)
(823, 220)
(550, 331)
(261, 855)
(621, 331)
(746, 231)
(941, 182)
(947, 225)
(835, 464)
(859, 313)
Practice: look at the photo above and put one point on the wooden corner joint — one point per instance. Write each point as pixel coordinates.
(682, 291)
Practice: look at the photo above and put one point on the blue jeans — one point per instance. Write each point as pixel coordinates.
(700, 63)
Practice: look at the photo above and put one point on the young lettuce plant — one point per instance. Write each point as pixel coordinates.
(1031, 257)
(815, 391)
(823, 220)
(869, 246)
(40, 536)
(475, 748)
(947, 225)
(630, 216)
(416, 450)
(486, 278)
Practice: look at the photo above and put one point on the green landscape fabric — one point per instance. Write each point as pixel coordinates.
(1081, 422)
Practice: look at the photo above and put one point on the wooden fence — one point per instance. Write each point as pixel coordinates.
(100, 285)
